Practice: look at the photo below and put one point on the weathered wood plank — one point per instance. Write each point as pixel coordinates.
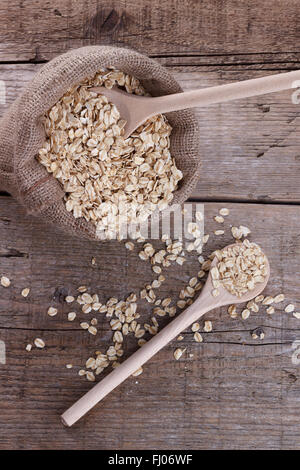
(234, 392)
(228, 396)
(38, 30)
(257, 136)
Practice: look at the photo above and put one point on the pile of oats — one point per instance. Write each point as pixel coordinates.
(239, 268)
(107, 179)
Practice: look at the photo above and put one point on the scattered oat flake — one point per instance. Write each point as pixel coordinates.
(193, 281)
(84, 325)
(82, 289)
(190, 247)
(219, 219)
(207, 326)
(5, 282)
(92, 330)
(297, 315)
(244, 230)
(69, 366)
(180, 338)
(28, 347)
(69, 299)
(236, 233)
(289, 308)
(253, 306)
(166, 302)
(25, 292)
(39, 343)
(143, 256)
(86, 308)
(270, 310)
(195, 327)
(180, 260)
(129, 246)
(219, 232)
(245, 313)
(206, 265)
(268, 300)
(90, 363)
(52, 311)
(224, 211)
(156, 269)
(90, 376)
(155, 284)
(279, 298)
(71, 316)
(198, 337)
(178, 353)
(232, 311)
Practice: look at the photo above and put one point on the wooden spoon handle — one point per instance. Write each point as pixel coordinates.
(136, 360)
(223, 93)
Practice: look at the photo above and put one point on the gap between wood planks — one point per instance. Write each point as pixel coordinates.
(188, 59)
(189, 333)
(225, 200)
(186, 333)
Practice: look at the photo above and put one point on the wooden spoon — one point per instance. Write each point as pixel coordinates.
(137, 109)
(204, 303)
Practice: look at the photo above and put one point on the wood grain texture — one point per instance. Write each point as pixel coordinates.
(234, 393)
(38, 30)
(249, 148)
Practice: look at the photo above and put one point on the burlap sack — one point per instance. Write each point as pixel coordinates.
(22, 133)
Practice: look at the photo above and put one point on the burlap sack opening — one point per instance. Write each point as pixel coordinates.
(22, 133)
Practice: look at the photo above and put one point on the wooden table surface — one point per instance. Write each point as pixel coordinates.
(235, 392)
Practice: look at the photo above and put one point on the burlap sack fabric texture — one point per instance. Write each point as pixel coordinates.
(22, 132)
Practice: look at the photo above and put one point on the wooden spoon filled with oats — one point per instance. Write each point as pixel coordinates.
(238, 273)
